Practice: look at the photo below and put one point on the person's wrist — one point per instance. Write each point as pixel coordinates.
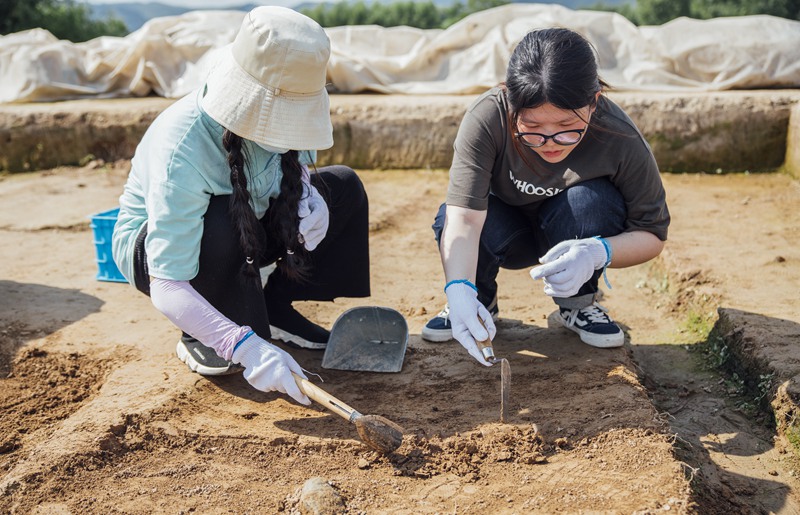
(609, 255)
(600, 250)
(240, 342)
(465, 282)
(250, 349)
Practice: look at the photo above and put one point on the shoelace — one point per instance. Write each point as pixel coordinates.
(444, 313)
(595, 313)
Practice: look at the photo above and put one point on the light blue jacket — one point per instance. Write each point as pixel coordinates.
(179, 164)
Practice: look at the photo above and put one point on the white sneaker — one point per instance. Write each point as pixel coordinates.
(204, 360)
(592, 323)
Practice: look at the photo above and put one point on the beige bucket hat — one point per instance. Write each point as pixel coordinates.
(270, 87)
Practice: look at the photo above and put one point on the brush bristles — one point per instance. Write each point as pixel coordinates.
(379, 433)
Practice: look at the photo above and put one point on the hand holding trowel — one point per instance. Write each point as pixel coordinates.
(464, 308)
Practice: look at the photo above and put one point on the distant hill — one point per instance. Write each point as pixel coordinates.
(135, 14)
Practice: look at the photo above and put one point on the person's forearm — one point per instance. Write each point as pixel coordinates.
(194, 315)
(459, 242)
(634, 248)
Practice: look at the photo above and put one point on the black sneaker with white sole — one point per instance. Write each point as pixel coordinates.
(438, 328)
(204, 360)
(592, 324)
(295, 330)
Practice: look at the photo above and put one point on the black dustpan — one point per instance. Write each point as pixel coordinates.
(369, 339)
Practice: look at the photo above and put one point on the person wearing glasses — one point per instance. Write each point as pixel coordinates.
(547, 173)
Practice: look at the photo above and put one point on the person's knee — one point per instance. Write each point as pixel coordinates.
(353, 184)
(592, 195)
(438, 223)
(344, 184)
(586, 209)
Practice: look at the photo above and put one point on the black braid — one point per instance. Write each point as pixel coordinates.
(241, 212)
(284, 221)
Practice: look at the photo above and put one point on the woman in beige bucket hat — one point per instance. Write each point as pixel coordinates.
(220, 189)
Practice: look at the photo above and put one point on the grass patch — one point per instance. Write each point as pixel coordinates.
(750, 393)
(698, 326)
(656, 279)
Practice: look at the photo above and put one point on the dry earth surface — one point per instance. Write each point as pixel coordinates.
(99, 416)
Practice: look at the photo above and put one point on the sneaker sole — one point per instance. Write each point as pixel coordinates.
(186, 356)
(437, 335)
(600, 341)
(295, 341)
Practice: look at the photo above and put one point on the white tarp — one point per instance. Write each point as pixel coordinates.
(170, 56)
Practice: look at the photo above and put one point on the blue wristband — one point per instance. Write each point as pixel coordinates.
(608, 261)
(608, 250)
(460, 281)
(248, 335)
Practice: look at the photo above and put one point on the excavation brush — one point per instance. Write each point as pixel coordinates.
(379, 433)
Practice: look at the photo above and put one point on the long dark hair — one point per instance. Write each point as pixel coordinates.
(554, 66)
(283, 220)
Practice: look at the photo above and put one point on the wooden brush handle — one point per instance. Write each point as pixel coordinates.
(316, 393)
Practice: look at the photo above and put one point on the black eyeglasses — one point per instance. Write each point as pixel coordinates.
(563, 138)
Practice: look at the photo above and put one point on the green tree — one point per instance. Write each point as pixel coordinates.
(458, 11)
(16, 15)
(65, 19)
(358, 15)
(705, 9)
(474, 6)
(626, 10)
(657, 12)
(420, 14)
(452, 14)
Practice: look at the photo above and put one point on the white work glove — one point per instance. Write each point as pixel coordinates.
(269, 368)
(313, 212)
(465, 309)
(568, 265)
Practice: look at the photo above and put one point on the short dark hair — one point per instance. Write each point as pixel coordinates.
(552, 66)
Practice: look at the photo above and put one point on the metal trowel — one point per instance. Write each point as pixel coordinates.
(368, 339)
(487, 350)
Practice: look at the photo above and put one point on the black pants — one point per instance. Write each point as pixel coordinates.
(339, 265)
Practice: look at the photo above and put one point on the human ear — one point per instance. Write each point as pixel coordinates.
(596, 99)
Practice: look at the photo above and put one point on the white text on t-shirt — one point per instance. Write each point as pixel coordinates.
(532, 189)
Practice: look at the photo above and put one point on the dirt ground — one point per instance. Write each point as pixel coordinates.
(99, 416)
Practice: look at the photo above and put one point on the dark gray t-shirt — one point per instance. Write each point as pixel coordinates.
(487, 160)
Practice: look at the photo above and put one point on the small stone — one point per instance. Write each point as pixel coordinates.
(504, 456)
(318, 497)
(363, 464)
